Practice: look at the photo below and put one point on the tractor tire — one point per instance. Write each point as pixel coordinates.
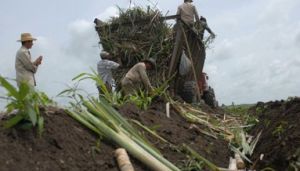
(188, 93)
(210, 98)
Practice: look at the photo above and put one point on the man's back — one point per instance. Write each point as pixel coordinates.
(134, 73)
(137, 74)
(104, 68)
(188, 12)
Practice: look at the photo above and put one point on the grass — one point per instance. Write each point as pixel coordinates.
(242, 112)
(26, 101)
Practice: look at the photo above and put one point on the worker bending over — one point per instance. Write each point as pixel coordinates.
(136, 78)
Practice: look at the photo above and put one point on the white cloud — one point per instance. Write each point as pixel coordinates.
(109, 12)
(259, 65)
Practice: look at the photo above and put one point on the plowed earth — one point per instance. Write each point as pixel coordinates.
(67, 145)
(280, 139)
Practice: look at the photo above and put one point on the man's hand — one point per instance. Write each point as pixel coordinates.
(38, 61)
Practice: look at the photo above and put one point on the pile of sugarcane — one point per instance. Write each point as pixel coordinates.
(104, 120)
(134, 35)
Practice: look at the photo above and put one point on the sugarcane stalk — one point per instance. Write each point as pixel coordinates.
(83, 121)
(240, 164)
(232, 164)
(123, 160)
(168, 109)
(124, 141)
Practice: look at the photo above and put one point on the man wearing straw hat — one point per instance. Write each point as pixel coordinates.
(136, 78)
(25, 68)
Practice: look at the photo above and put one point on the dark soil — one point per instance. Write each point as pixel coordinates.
(280, 139)
(67, 145)
(176, 131)
(64, 145)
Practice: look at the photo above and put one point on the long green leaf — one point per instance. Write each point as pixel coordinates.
(254, 142)
(13, 121)
(78, 76)
(10, 88)
(83, 121)
(234, 149)
(32, 114)
(40, 124)
(23, 90)
(122, 122)
(101, 113)
(65, 91)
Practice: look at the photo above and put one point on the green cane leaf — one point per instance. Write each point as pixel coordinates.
(10, 88)
(13, 121)
(32, 115)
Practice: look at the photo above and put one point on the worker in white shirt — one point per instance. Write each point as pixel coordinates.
(188, 13)
(105, 67)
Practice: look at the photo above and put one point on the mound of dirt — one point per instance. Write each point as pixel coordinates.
(67, 145)
(176, 130)
(280, 139)
(64, 145)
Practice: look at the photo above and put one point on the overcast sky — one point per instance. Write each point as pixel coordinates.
(255, 56)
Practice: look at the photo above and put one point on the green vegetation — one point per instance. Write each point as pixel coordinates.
(142, 35)
(237, 110)
(242, 112)
(114, 98)
(258, 110)
(198, 157)
(26, 102)
(140, 98)
(243, 144)
(280, 129)
(213, 125)
(191, 165)
(143, 99)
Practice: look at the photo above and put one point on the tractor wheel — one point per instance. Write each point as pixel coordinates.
(210, 98)
(188, 93)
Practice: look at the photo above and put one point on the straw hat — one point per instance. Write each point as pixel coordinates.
(151, 61)
(26, 37)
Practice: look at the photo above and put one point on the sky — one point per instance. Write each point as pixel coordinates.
(255, 56)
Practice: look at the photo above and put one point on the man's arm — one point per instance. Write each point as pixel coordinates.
(23, 57)
(209, 30)
(145, 78)
(196, 15)
(112, 65)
